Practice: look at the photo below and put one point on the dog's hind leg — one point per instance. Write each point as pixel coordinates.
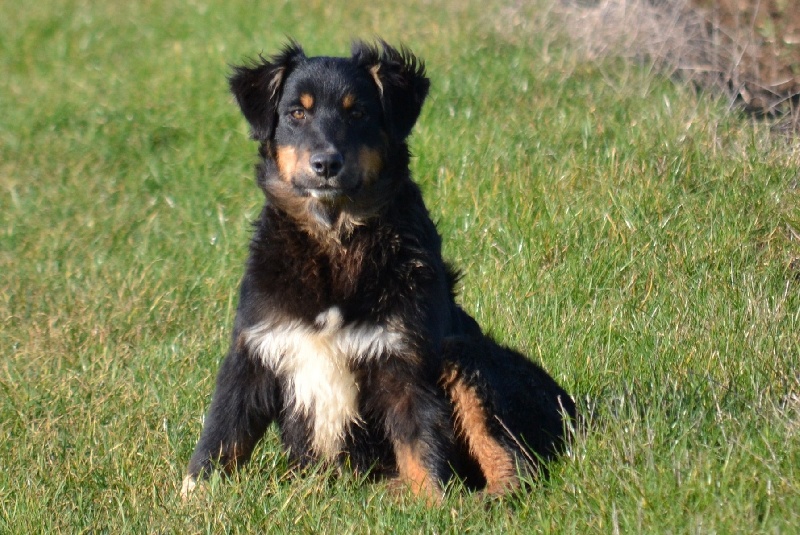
(496, 462)
(508, 411)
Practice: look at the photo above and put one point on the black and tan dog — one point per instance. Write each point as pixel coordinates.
(347, 332)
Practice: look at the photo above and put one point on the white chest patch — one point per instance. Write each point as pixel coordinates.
(316, 361)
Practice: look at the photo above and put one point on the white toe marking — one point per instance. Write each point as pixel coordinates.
(189, 484)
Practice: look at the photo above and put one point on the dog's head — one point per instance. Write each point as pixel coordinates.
(329, 127)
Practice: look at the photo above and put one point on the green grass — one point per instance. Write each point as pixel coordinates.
(634, 237)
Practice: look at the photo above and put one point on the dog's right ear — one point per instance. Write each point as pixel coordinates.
(257, 88)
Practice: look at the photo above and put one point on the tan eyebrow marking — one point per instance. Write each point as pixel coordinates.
(348, 101)
(307, 101)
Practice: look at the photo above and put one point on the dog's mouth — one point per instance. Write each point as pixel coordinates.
(333, 191)
(329, 177)
(326, 194)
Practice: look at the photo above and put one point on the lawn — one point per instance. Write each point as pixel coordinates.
(636, 237)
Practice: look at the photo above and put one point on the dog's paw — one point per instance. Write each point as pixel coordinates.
(398, 488)
(188, 487)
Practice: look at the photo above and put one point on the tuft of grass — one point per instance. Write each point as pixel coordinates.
(632, 236)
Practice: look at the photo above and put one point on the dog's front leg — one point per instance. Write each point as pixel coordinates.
(417, 423)
(243, 405)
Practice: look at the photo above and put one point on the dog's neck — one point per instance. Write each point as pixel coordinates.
(327, 221)
(330, 224)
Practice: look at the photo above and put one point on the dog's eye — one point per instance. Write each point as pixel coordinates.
(298, 114)
(356, 115)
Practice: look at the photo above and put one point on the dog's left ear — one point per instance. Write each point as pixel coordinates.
(401, 81)
(258, 86)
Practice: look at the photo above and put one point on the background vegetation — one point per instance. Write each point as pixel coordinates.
(746, 50)
(636, 237)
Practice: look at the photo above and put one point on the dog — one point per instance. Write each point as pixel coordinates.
(347, 332)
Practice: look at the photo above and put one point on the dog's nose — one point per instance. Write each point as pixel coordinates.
(326, 164)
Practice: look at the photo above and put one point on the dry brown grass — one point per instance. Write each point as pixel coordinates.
(708, 47)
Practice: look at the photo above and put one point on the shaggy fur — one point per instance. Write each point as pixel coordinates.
(347, 333)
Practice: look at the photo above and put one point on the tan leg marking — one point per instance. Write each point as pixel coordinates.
(496, 463)
(413, 473)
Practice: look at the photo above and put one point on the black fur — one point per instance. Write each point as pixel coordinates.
(347, 332)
